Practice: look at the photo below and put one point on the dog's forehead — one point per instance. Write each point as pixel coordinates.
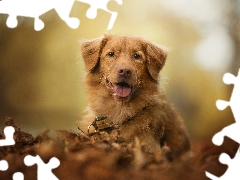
(122, 43)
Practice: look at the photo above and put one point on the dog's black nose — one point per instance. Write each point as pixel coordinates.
(123, 71)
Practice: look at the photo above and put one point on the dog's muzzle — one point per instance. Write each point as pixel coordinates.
(121, 89)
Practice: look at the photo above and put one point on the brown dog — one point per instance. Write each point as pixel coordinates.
(122, 82)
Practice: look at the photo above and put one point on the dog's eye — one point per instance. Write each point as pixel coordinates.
(136, 56)
(111, 54)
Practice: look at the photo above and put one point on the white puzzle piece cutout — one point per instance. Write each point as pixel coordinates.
(8, 131)
(100, 4)
(44, 171)
(3, 165)
(36, 8)
(18, 176)
(233, 172)
(232, 131)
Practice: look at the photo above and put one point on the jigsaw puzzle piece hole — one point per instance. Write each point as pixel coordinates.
(12, 21)
(9, 130)
(91, 13)
(54, 162)
(228, 78)
(18, 176)
(29, 160)
(3, 165)
(73, 23)
(221, 104)
(218, 139)
(224, 158)
(38, 24)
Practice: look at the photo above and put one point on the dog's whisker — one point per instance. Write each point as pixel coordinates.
(103, 76)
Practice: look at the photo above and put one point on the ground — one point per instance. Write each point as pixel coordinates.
(100, 156)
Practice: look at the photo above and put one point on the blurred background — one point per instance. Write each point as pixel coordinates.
(42, 73)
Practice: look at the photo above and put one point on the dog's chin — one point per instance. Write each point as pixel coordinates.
(120, 90)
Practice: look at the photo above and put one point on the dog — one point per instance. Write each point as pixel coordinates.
(124, 94)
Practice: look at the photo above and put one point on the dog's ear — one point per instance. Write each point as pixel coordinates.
(156, 57)
(91, 51)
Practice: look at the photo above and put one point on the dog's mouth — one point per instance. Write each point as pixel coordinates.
(120, 89)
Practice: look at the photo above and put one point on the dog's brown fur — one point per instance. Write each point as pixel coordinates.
(144, 112)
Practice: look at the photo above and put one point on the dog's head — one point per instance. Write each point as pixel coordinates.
(123, 63)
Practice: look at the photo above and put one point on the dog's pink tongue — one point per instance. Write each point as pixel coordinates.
(122, 91)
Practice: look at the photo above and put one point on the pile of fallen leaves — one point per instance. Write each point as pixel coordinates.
(99, 156)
